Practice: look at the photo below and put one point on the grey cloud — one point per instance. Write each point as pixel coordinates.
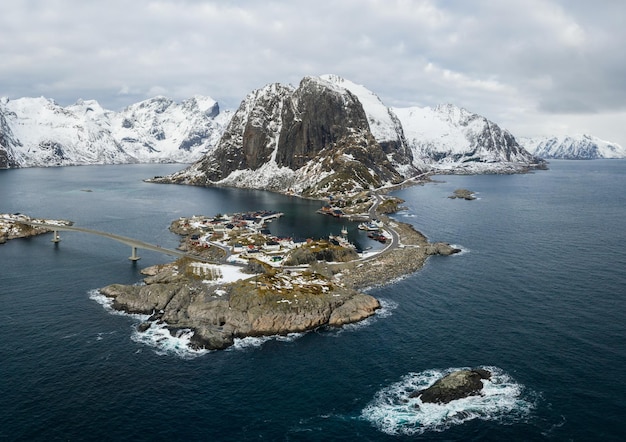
(553, 57)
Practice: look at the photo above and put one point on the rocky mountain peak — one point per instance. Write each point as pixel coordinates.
(312, 139)
(451, 139)
(383, 122)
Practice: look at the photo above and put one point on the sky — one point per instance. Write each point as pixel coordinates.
(535, 67)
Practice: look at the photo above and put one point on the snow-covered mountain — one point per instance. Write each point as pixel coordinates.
(331, 135)
(453, 140)
(578, 147)
(327, 134)
(38, 132)
(311, 140)
(384, 123)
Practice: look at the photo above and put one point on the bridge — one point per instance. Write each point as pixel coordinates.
(133, 243)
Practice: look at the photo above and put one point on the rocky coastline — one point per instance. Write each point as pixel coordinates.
(272, 300)
(15, 226)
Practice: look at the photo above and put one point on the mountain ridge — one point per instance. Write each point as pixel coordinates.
(310, 140)
(443, 139)
(37, 132)
(575, 147)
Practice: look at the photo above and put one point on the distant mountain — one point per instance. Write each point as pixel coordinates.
(453, 140)
(578, 147)
(38, 132)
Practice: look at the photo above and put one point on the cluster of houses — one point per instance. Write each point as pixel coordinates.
(242, 235)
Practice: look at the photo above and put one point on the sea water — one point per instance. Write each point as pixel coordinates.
(537, 296)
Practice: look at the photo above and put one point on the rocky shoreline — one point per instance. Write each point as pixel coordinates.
(277, 301)
(408, 258)
(12, 226)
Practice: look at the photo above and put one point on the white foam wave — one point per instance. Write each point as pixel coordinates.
(157, 336)
(393, 412)
(463, 251)
(255, 342)
(387, 306)
(166, 343)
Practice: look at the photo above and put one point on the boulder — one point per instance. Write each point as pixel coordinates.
(441, 248)
(354, 309)
(463, 194)
(456, 385)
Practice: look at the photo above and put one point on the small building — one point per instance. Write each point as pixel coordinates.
(272, 246)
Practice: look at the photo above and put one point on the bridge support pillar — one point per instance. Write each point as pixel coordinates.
(133, 256)
(55, 236)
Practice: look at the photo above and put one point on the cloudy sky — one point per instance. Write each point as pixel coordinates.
(536, 67)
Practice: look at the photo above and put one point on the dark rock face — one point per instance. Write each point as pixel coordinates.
(5, 160)
(249, 138)
(316, 123)
(457, 385)
(317, 119)
(7, 140)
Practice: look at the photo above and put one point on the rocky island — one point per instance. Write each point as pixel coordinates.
(456, 385)
(326, 139)
(262, 285)
(463, 194)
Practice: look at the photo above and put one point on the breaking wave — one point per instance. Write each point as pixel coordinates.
(166, 342)
(255, 342)
(393, 412)
(157, 336)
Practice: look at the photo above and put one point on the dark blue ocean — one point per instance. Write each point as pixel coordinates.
(538, 295)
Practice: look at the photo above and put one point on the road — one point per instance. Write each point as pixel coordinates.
(395, 237)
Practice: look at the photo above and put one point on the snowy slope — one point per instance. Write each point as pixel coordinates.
(42, 133)
(384, 124)
(162, 129)
(51, 135)
(381, 119)
(577, 147)
(450, 139)
(312, 140)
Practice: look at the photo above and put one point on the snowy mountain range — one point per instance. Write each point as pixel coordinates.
(330, 135)
(326, 135)
(37, 132)
(579, 147)
(311, 140)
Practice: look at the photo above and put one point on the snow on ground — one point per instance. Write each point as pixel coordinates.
(222, 274)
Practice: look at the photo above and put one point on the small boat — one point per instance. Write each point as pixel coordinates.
(377, 237)
(371, 227)
(344, 231)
